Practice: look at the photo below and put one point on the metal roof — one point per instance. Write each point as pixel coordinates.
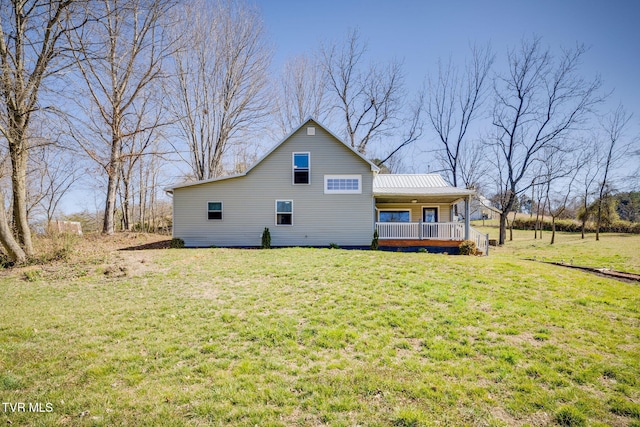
(430, 184)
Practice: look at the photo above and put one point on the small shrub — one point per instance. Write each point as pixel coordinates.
(570, 416)
(266, 238)
(334, 246)
(423, 251)
(176, 243)
(374, 242)
(467, 247)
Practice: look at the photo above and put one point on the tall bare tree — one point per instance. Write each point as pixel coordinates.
(368, 97)
(119, 55)
(301, 92)
(615, 148)
(32, 48)
(148, 115)
(455, 101)
(220, 80)
(539, 102)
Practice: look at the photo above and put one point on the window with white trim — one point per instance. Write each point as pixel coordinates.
(214, 210)
(394, 215)
(343, 184)
(301, 168)
(284, 212)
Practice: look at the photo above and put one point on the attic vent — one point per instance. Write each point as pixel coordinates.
(311, 131)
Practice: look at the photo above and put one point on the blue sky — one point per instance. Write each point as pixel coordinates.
(421, 32)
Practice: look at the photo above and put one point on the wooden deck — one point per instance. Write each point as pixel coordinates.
(419, 243)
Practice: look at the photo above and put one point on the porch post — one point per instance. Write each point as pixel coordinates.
(467, 214)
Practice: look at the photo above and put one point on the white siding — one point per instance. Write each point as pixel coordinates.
(249, 201)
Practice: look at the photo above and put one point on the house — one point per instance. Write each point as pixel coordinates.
(312, 189)
(481, 208)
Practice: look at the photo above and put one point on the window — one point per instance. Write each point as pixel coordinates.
(394, 216)
(301, 168)
(343, 184)
(214, 210)
(284, 212)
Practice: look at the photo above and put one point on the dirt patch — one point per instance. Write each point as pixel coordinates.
(62, 257)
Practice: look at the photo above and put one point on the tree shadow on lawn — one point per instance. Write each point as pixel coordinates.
(162, 244)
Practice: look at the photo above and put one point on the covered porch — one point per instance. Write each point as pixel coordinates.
(419, 211)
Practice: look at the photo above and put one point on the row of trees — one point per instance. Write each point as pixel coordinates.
(119, 89)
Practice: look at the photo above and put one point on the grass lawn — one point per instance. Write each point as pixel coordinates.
(310, 337)
(614, 251)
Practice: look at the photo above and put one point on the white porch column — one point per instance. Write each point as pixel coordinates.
(467, 214)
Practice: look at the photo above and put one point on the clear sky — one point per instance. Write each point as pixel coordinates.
(421, 32)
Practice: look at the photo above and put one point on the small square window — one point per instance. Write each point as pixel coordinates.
(214, 210)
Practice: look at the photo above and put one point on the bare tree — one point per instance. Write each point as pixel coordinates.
(539, 102)
(455, 102)
(301, 93)
(369, 98)
(221, 80)
(119, 55)
(614, 126)
(557, 181)
(472, 165)
(147, 115)
(53, 175)
(32, 36)
(412, 129)
(588, 176)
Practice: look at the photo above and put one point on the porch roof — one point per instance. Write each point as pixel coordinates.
(430, 184)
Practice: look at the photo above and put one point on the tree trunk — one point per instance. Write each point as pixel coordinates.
(108, 226)
(19, 154)
(511, 227)
(113, 173)
(15, 252)
(553, 229)
(126, 215)
(599, 219)
(503, 228)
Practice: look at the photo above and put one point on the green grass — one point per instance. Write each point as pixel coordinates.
(320, 337)
(614, 251)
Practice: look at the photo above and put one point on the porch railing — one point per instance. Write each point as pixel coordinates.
(398, 230)
(482, 240)
(421, 230)
(431, 231)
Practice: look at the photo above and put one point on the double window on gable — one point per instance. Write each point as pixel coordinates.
(301, 168)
